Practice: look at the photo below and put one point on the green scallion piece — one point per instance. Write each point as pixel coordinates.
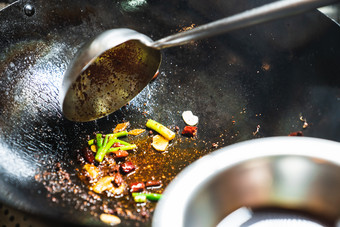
(139, 198)
(123, 142)
(106, 139)
(149, 196)
(102, 152)
(105, 147)
(90, 142)
(120, 134)
(124, 148)
(161, 129)
(99, 138)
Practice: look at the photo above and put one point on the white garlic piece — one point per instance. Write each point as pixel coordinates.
(110, 219)
(189, 118)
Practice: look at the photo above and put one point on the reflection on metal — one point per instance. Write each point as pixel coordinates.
(133, 5)
(236, 218)
(29, 10)
(332, 11)
(298, 175)
(245, 217)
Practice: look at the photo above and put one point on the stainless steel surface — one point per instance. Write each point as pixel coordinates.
(298, 174)
(258, 15)
(114, 67)
(332, 11)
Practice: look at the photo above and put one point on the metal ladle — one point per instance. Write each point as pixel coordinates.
(116, 65)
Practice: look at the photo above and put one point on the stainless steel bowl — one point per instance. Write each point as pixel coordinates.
(296, 174)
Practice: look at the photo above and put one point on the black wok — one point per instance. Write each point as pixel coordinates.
(263, 81)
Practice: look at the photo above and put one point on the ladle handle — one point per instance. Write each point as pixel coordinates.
(271, 11)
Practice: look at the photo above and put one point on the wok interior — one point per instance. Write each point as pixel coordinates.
(269, 75)
(305, 185)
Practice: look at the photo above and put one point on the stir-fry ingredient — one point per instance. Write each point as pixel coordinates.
(137, 187)
(189, 118)
(122, 148)
(139, 198)
(88, 155)
(103, 184)
(298, 133)
(121, 127)
(99, 139)
(90, 142)
(153, 183)
(161, 129)
(127, 167)
(149, 196)
(107, 146)
(101, 152)
(159, 143)
(190, 131)
(121, 153)
(110, 219)
(92, 170)
(136, 132)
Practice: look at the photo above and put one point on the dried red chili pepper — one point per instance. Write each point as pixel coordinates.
(88, 155)
(153, 183)
(190, 131)
(137, 187)
(121, 154)
(127, 167)
(298, 133)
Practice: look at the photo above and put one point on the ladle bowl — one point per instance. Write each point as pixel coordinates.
(114, 71)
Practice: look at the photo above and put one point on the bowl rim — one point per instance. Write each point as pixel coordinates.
(171, 209)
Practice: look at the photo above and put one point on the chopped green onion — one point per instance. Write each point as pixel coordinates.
(105, 147)
(161, 129)
(99, 155)
(149, 196)
(102, 152)
(106, 140)
(118, 134)
(90, 142)
(124, 148)
(99, 138)
(139, 198)
(123, 142)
